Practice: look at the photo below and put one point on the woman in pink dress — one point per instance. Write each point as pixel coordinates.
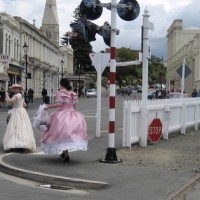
(67, 128)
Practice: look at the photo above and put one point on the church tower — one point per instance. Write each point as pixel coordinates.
(50, 23)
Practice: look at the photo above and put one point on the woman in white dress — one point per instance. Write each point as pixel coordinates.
(19, 133)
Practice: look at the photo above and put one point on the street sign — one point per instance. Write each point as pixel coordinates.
(4, 60)
(4, 57)
(100, 61)
(155, 130)
(187, 71)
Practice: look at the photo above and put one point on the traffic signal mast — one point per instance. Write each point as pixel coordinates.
(127, 10)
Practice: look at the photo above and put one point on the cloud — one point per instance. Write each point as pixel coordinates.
(169, 5)
(162, 14)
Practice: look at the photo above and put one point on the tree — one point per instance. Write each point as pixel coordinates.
(133, 74)
(125, 54)
(82, 48)
(104, 82)
(129, 74)
(157, 71)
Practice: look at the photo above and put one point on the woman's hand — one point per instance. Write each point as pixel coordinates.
(24, 104)
(45, 107)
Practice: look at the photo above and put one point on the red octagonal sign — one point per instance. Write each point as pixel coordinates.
(155, 130)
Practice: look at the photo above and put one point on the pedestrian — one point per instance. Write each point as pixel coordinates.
(79, 92)
(44, 94)
(10, 93)
(198, 93)
(67, 128)
(2, 97)
(26, 98)
(157, 94)
(194, 93)
(30, 95)
(19, 133)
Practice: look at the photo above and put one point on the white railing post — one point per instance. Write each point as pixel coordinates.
(196, 115)
(129, 124)
(145, 39)
(183, 113)
(167, 115)
(124, 137)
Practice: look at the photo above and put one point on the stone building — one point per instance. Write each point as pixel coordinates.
(43, 64)
(183, 43)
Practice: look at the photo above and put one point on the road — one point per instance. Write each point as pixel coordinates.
(132, 184)
(13, 188)
(18, 189)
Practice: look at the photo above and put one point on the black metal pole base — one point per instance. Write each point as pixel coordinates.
(111, 157)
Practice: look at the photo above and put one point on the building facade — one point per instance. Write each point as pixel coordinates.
(183, 44)
(44, 56)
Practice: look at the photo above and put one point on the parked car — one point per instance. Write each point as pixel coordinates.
(151, 95)
(139, 89)
(124, 91)
(175, 95)
(91, 93)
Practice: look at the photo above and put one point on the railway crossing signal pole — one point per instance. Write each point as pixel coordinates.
(127, 10)
(111, 156)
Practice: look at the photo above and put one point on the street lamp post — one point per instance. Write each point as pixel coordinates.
(79, 78)
(25, 47)
(78, 69)
(62, 63)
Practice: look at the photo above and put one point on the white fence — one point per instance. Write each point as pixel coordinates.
(175, 114)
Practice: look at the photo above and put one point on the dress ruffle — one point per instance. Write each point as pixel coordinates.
(59, 147)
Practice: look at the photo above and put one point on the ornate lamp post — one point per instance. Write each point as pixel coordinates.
(62, 63)
(25, 47)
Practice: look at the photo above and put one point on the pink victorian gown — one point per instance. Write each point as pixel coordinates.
(67, 127)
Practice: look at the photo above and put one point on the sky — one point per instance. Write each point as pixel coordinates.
(162, 13)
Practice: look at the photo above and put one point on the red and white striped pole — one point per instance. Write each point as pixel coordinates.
(111, 156)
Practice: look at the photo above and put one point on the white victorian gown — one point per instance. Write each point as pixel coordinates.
(19, 132)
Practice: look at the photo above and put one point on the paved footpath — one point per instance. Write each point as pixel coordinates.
(103, 180)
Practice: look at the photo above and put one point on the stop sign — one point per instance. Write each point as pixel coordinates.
(155, 130)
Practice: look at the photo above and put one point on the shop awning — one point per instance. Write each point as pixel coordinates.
(12, 72)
